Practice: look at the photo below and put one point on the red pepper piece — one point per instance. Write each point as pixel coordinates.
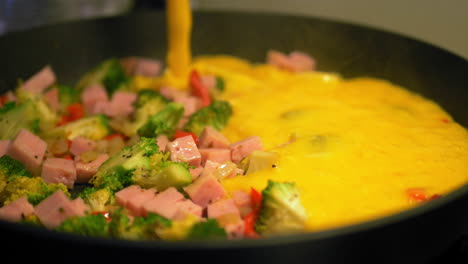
(198, 89)
(75, 111)
(249, 225)
(104, 213)
(417, 194)
(112, 136)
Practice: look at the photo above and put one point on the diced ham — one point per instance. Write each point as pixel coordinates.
(243, 148)
(209, 81)
(123, 196)
(191, 104)
(121, 104)
(295, 62)
(29, 149)
(4, 145)
(205, 190)
(84, 171)
(301, 61)
(10, 97)
(40, 81)
(185, 208)
(141, 66)
(17, 210)
(210, 167)
(215, 155)
(163, 203)
(58, 170)
(162, 141)
(171, 93)
(225, 211)
(196, 172)
(93, 94)
(51, 97)
(80, 145)
(236, 230)
(56, 208)
(184, 149)
(136, 202)
(212, 138)
(243, 202)
(80, 207)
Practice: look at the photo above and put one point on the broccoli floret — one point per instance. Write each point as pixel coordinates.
(94, 225)
(14, 117)
(67, 95)
(209, 229)
(216, 115)
(108, 73)
(44, 113)
(93, 127)
(281, 211)
(147, 96)
(141, 164)
(97, 199)
(116, 173)
(163, 174)
(141, 228)
(11, 169)
(34, 188)
(164, 122)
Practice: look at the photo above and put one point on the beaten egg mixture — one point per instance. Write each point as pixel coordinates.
(353, 147)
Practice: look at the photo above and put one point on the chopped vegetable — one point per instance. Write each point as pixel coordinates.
(215, 115)
(92, 127)
(164, 122)
(108, 73)
(198, 89)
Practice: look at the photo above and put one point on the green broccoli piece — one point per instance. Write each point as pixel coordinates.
(164, 122)
(97, 199)
(141, 228)
(34, 188)
(67, 95)
(94, 225)
(281, 211)
(146, 96)
(220, 84)
(216, 115)
(141, 164)
(209, 229)
(93, 127)
(44, 113)
(12, 169)
(14, 117)
(163, 174)
(109, 73)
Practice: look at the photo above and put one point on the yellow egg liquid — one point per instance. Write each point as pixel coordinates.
(353, 147)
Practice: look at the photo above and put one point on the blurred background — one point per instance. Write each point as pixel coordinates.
(443, 23)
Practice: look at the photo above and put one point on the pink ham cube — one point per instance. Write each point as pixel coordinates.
(80, 145)
(210, 167)
(121, 104)
(141, 66)
(17, 210)
(92, 95)
(136, 202)
(235, 230)
(301, 62)
(191, 104)
(243, 202)
(123, 196)
(29, 149)
(215, 155)
(84, 171)
(57, 170)
(56, 208)
(209, 81)
(225, 211)
(4, 145)
(212, 138)
(40, 81)
(196, 172)
(51, 97)
(243, 148)
(186, 208)
(184, 149)
(163, 203)
(205, 190)
(162, 141)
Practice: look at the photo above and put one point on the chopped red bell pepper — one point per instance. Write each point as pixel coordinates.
(68, 157)
(417, 194)
(180, 133)
(251, 218)
(112, 136)
(74, 112)
(3, 100)
(104, 213)
(198, 89)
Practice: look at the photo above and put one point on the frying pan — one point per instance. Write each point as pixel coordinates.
(418, 235)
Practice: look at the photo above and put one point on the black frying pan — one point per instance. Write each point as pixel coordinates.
(416, 236)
